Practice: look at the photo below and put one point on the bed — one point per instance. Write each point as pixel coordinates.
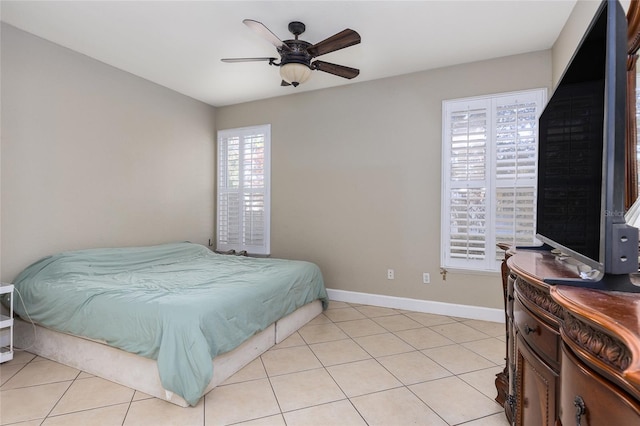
(172, 320)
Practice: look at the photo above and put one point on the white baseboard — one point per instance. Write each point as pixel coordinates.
(418, 305)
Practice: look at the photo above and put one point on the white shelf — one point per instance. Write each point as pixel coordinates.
(6, 327)
(5, 354)
(6, 321)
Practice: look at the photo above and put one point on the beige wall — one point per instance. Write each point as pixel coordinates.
(570, 36)
(93, 156)
(575, 27)
(356, 176)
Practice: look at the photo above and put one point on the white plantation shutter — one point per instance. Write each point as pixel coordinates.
(467, 223)
(516, 155)
(467, 152)
(515, 217)
(489, 174)
(243, 189)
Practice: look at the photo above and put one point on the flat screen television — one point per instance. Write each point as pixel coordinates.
(581, 159)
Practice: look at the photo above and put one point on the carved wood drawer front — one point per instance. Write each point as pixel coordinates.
(588, 400)
(536, 386)
(542, 338)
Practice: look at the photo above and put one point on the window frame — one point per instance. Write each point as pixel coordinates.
(243, 189)
(489, 104)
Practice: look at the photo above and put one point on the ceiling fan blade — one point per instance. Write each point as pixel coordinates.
(284, 83)
(265, 33)
(339, 70)
(232, 60)
(338, 41)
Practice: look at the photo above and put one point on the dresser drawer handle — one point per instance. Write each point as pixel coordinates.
(578, 402)
(529, 330)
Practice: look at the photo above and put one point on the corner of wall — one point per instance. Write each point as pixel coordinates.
(570, 36)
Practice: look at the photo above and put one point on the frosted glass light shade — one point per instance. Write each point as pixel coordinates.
(294, 73)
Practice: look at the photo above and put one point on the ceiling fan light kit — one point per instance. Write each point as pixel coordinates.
(294, 73)
(296, 55)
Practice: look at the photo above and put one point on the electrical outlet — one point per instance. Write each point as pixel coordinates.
(391, 274)
(426, 278)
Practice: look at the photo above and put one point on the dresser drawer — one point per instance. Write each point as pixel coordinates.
(598, 401)
(542, 338)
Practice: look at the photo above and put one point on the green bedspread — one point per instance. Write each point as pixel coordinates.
(180, 304)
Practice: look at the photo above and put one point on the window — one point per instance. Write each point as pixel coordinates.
(243, 189)
(489, 177)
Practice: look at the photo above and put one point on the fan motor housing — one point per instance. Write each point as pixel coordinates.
(298, 53)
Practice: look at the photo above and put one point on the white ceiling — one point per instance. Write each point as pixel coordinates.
(179, 44)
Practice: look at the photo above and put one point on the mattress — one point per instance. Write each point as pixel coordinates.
(180, 304)
(141, 373)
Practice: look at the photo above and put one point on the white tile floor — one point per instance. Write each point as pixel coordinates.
(352, 365)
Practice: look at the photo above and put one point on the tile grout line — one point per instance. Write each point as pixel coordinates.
(275, 396)
(62, 396)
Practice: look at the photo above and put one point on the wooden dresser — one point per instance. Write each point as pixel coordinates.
(572, 354)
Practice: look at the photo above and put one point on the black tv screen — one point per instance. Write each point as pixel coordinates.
(581, 152)
(570, 157)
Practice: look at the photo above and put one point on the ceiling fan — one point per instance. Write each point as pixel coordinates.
(296, 55)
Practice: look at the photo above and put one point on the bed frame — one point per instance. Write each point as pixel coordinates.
(141, 373)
